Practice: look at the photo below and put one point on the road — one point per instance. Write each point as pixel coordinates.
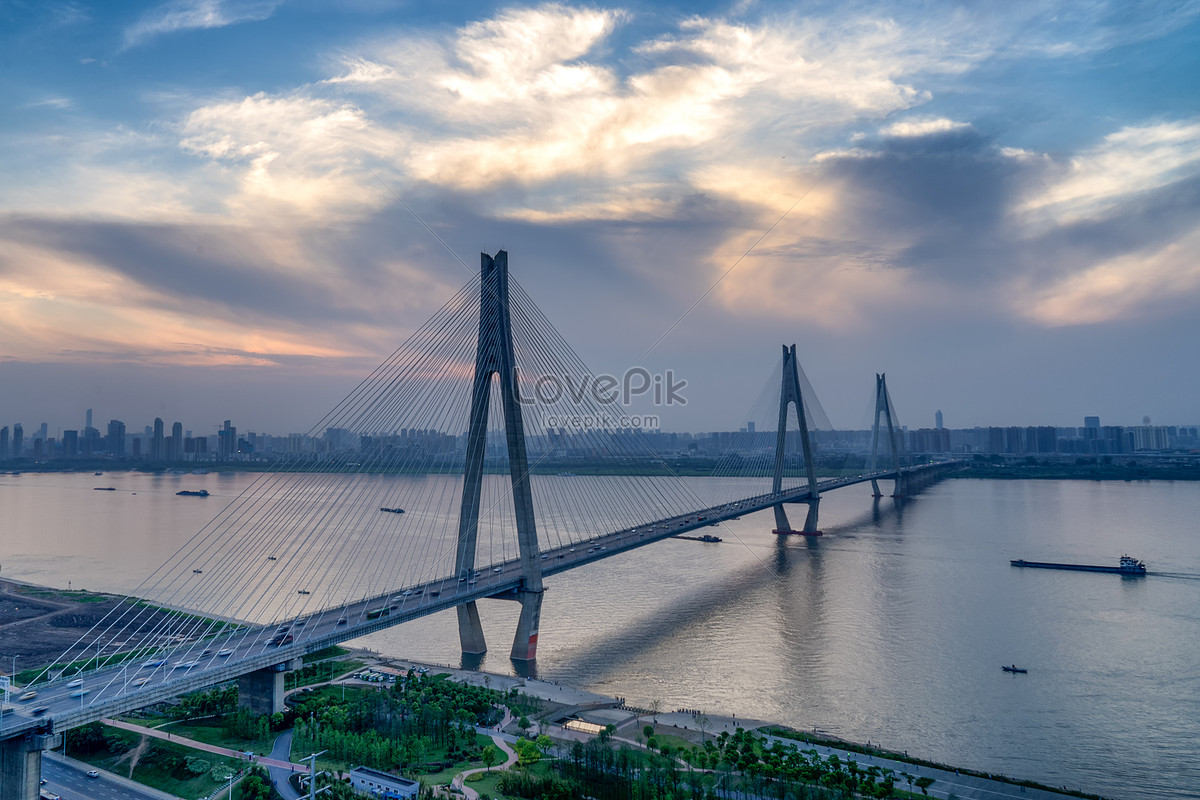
(67, 777)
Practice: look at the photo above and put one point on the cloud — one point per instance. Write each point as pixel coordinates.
(295, 155)
(1132, 285)
(183, 15)
(1135, 159)
(922, 126)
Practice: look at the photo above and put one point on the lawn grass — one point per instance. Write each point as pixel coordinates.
(154, 767)
(211, 731)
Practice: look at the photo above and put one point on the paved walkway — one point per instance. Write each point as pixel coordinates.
(459, 781)
(167, 736)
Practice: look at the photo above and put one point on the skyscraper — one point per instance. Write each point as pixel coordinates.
(937, 420)
(1091, 422)
(116, 438)
(18, 441)
(156, 442)
(3, 443)
(177, 442)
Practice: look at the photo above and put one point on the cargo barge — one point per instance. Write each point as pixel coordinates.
(1129, 566)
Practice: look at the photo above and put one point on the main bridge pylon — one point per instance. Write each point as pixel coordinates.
(494, 358)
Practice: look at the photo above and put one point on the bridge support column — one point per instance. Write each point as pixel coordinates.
(262, 691)
(470, 630)
(21, 764)
(810, 519)
(525, 642)
(901, 487)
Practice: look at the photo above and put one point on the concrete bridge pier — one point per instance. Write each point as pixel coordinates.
(470, 630)
(901, 487)
(21, 764)
(525, 641)
(262, 691)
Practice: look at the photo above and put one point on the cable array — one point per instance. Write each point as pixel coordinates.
(374, 508)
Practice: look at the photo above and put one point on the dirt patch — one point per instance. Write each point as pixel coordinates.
(134, 755)
(56, 621)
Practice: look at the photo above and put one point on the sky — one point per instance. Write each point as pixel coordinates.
(219, 209)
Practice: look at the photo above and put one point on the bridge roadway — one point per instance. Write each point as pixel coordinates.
(195, 665)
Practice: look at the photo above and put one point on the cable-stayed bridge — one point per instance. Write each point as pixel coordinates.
(429, 495)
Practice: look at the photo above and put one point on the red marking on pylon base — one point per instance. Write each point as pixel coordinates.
(532, 652)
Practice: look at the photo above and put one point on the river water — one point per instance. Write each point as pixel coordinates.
(891, 628)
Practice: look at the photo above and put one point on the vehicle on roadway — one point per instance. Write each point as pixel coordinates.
(141, 681)
(27, 696)
(185, 665)
(158, 662)
(283, 638)
(76, 682)
(91, 773)
(37, 712)
(80, 692)
(225, 653)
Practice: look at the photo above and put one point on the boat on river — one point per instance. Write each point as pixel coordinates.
(1014, 668)
(1127, 566)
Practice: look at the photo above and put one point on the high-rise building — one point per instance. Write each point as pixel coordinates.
(88, 416)
(70, 444)
(18, 441)
(227, 441)
(156, 442)
(116, 438)
(937, 420)
(177, 442)
(1091, 422)
(3, 443)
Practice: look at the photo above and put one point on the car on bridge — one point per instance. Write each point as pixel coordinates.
(283, 638)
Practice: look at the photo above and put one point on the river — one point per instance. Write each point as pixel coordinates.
(890, 628)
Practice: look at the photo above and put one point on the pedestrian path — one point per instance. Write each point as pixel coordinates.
(208, 748)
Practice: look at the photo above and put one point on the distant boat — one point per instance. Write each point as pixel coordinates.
(1013, 668)
(1128, 566)
(190, 493)
(302, 591)
(197, 571)
(104, 489)
(98, 473)
(392, 510)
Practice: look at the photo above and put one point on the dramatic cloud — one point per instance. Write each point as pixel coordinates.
(871, 168)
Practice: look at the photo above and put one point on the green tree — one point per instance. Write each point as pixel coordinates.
(490, 755)
(524, 724)
(923, 783)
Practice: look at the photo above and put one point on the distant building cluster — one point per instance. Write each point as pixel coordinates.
(154, 445)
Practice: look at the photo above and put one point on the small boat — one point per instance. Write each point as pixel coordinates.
(271, 558)
(302, 591)
(197, 572)
(1013, 668)
(393, 510)
(104, 488)
(191, 493)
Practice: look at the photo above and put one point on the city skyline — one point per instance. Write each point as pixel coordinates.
(247, 205)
